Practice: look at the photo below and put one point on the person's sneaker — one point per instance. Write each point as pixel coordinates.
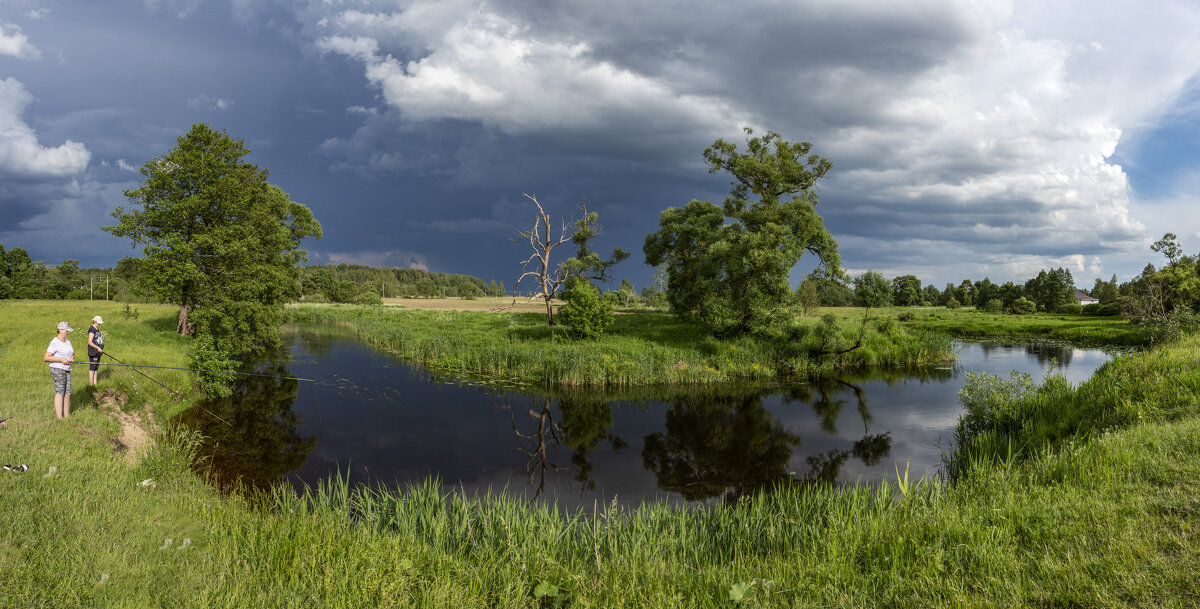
(7, 467)
(21, 468)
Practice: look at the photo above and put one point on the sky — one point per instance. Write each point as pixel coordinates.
(968, 138)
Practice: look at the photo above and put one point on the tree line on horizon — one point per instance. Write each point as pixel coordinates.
(21, 277)
(1050, 291)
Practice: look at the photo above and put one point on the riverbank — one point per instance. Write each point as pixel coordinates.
(1105, 519)
(639, 349)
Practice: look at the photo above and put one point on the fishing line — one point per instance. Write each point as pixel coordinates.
(152, 379)
(136, 366)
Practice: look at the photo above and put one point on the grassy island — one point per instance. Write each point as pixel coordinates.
(1097, 503)
(641, 348)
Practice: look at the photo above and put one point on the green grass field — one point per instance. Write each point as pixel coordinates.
(971, 324)
(1104, 513)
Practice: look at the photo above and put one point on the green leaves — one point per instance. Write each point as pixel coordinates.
(729, 266)
(585, 313)
(549, 595)
(738, 591)
(218, 239)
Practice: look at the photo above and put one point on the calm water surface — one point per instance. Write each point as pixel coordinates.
(369, 416)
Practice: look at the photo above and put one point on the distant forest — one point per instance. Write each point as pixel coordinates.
(357, 283)
(23, 277)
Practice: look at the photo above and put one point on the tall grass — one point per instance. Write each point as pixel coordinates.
(1008, 420)
(639, 349)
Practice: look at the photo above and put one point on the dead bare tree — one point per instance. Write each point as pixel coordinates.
(550, 277)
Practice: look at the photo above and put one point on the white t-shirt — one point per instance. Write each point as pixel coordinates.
(60, 348)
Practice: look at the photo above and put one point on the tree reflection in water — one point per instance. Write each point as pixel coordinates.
(251, 438)
(585, 423)
(729, 446)
(1046, 353)
(537, 450)
(717, 446)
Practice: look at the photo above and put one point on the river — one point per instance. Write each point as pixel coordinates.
(378, 421)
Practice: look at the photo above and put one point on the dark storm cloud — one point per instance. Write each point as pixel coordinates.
(966, 138)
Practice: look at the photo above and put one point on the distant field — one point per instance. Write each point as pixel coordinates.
(487, 303)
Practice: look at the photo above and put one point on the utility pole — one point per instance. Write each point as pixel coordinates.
(91, 287)
(106, 287)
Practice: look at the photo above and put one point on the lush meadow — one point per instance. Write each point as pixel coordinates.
(1099, 509)
(969, 323)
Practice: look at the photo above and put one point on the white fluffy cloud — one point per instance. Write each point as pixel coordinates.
(20, 152)
(487, 67)
(13, 43)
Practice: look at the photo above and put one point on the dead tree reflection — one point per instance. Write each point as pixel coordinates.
(584, 424)
(548, 435)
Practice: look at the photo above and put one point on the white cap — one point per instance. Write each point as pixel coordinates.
(97, 320)
(62, 325)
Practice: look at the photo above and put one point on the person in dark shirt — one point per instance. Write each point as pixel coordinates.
(95, 348)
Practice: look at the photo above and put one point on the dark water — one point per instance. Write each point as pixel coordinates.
(367, 415)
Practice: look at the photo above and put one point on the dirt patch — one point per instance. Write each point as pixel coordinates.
(136, 435)
(489, 304)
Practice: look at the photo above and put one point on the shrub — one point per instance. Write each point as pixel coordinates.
(906, 316)
(585, 314)
(886, 325)
(1106, 309)
(368, 297)
(1023, 306)
(953, 303)
(469, 291)
(1073, 308)
(994, 305)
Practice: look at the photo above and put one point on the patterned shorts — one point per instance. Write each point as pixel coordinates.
(62, 380)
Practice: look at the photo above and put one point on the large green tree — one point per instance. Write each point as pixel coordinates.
(729, 266)
(871, 289)
(219, 240)
(906, 291)
(1051, 289)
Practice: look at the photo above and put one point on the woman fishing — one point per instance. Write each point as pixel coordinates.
(95, 349)
(60, 354)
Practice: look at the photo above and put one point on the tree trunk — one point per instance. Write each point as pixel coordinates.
(549, 311)
(183, 327)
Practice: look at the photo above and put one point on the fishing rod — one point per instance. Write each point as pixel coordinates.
(136, 366)
(160, 384)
